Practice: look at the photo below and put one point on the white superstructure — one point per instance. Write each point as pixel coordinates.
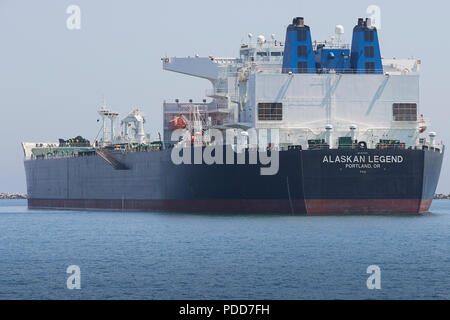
(325, 105)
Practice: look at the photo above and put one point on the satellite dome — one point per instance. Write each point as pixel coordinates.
(339, 29)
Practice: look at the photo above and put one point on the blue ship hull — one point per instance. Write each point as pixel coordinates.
(321, 181)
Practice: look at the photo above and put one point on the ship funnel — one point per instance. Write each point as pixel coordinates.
(365, 53)
(299, 22)
(298, 50)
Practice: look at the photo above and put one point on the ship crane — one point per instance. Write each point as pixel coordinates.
(135, 120)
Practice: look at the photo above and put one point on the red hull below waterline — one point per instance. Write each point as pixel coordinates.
(335, 206)
(368, 206)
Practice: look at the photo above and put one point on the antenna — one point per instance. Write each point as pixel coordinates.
(250, 36)
(103, 102)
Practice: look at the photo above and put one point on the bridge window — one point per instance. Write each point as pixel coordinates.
(368, 36)
(369, 52)
(302, 51)
(270, 111)
(405, 111)
(301, 35)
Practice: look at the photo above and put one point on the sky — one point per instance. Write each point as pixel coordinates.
(52, 79)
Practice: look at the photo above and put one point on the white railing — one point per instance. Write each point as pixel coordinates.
(330, 71)
(226, 60)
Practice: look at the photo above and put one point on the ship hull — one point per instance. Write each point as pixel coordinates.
(330, 181)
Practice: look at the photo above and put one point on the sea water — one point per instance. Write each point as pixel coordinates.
(129, 255)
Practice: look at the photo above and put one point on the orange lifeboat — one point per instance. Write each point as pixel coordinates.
(177, 123)
(422, 125)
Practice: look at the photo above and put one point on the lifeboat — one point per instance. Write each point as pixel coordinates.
(422, 125)
(177, 123)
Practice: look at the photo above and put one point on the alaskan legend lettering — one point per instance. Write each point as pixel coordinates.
(363, 159)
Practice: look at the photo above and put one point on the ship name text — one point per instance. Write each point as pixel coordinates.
(363, 159)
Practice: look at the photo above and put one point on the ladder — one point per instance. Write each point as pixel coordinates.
(109, 157)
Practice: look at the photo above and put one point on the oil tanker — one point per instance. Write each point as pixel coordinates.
(291, 127)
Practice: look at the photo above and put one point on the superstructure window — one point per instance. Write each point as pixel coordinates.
(368, 36)
(270, 111)
(276, 54)
(405, 111)
(302, 67)
(301, 35)
(370, 67)
(369, 52)
(302, 51)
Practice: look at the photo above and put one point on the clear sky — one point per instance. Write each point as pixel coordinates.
(52, 79)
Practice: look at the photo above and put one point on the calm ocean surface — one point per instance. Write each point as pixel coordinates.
(187, 256)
